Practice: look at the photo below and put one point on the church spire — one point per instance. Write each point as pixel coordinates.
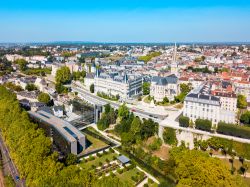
(174, 55)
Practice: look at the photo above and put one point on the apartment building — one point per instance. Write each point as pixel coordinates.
(201, 104)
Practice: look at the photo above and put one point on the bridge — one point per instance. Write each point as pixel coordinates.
(170, 121)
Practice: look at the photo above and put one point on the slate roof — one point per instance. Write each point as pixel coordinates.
(171, 79)
(123, 159)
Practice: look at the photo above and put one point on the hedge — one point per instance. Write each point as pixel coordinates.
(234, 130)
(203, 124)
(184, 121)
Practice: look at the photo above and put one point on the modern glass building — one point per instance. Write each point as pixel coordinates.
(65, 136)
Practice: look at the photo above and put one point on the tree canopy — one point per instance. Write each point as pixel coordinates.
(196, 168)
(241, 102)
(146, 88)
(44, 97)
(31, 149)
(63, 75)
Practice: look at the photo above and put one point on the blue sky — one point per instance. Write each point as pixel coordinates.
(125, 21)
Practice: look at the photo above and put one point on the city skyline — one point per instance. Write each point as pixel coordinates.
(125, 21)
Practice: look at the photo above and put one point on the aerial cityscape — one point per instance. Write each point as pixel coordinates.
(124, 94)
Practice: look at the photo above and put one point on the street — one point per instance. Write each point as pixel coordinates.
(9, 164)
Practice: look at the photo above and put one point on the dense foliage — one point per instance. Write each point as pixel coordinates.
(37, 71)
(245, 118)
(22, 64)
(92, 88)
(233, 130)
(31, 149)
(184, 121)
(195, 168)
(169, 136)
(78, 75)
(108, 96)
(203, 124)
(108, 117)
(227, 146)
(30, 87)
(149, 56)
(63, 75)
(5, 66)
(133, 129)
(13, 87)
(44, 98)
(146, 88)
(241, 102)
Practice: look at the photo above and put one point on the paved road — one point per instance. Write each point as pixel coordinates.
(98, 100)
(169, 121)
(9, 164)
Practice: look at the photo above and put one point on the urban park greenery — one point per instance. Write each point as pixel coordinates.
(31, 149)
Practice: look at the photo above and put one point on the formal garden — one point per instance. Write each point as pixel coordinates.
(106, 163)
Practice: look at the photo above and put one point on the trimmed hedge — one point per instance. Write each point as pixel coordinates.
(203, 124)
(234, 130)
(184, 121)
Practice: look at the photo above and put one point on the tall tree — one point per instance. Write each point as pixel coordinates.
(63, 75)
(146, 88)
(241, 102)
(44, 97)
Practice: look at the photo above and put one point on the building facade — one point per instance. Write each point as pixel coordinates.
(164, 87)
(199, 104)
(126, 86)
(66, 137)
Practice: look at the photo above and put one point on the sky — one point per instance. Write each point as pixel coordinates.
(125, 20)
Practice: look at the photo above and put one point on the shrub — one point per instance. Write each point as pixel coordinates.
(111, 150)
(100, 163)
(114, 157)
(184, 121)
(107, 160)
(98, 154)
(203, 124)
(156, 144)
(233, 130)
(150, 181)
(105, 152)
(134, 178)
(131, 166)
(120, 171)
(169, 136)
(91, 158)
(146, 185)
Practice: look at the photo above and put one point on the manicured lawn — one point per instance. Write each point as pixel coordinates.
(87, 164)
(126, 176)
(94, 143)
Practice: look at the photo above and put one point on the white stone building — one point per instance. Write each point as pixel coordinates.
(199, 104)
(114, 84)
(164, 87)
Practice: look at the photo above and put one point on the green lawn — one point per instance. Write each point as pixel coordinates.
(91, 129)
(126, 176)
(94, 142)
(87, 164)
(153, 185)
